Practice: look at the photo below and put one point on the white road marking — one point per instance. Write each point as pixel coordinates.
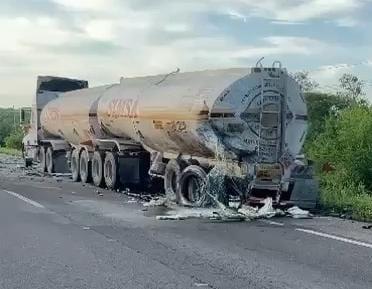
(201, 284)
(31, 202)
(272, 223)
(342, 239)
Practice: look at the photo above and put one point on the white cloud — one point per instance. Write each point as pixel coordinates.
(285, 22)
(294, 11)
(152, 37)
(177, 27)
(317, 8)
(85, 4)
(236, 15)
(19, 33)
(101, 29)
(328, 76)
(346, 22)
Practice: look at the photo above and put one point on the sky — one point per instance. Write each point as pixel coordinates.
(103, 40)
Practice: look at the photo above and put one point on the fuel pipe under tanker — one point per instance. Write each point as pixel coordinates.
(255, 116)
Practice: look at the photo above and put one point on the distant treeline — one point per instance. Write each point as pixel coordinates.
(9, 122)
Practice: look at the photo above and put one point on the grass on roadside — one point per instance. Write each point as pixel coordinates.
(347, 198)
(12, 152)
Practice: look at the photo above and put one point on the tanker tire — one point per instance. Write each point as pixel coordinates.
(75, 165)
(172, 177)
(49, 160)
(192, 187)
(42, 157)
(97, 169)
(85, 167)
(111, 170)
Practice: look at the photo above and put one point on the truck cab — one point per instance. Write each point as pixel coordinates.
(47, 89)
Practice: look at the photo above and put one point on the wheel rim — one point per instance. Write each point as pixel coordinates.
(48, 159)
(174, 182)
(73, 165)
(194, 189)
(108, 170)
(83, 167)
(42, 159)
(96, 168)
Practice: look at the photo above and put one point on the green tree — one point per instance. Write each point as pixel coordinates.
(320, 107)
(351, 87)
(6, 123)
(303, 79)
(14, 140)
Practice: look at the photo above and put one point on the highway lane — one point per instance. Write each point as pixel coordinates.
(58, 234)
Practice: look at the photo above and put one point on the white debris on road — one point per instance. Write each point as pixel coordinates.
(298, 213)
(267, 210)
(245, 213)
(156, 202)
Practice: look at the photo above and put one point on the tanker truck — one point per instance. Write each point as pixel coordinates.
(174, 128)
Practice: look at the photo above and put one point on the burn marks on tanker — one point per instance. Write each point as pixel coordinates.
(121, 108)
(178, 126)
(158, 124)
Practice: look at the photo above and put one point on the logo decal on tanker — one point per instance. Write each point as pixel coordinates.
(122, 108)
(52, 114)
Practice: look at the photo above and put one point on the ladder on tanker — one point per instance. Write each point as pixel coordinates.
(270, 135)
(270, 123)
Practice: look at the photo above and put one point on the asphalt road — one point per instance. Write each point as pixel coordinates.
(58, 234)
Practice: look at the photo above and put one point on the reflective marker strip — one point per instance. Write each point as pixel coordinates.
(31, 202)
(345, 240)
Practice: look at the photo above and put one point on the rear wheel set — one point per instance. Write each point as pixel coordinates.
(101, 168)
(51, 161)
(186, 184)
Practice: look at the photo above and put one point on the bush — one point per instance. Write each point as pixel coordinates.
(345, 149)
(346, 145)
(14, 140)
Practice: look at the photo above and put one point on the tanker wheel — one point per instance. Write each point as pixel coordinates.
(49, 160)
(193, 185)
(172, 177)
(42, 159)
(97, 169)
(75, 165)
(110, 170)
(85, 168)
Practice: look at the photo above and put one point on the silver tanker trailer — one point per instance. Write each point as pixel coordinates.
(176, 127)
